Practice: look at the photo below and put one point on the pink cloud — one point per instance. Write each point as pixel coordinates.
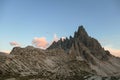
(43, 43)
(113, 51)
(40, 42)
(14, 43)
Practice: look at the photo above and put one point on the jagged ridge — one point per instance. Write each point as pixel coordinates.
(78, 58)
(82, 46)
(80, 39)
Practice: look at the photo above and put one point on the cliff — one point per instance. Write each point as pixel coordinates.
(80, 57)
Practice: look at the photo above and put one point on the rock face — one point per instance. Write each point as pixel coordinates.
(75, 58)
(81, 43)
(3, 57)
(86, 48)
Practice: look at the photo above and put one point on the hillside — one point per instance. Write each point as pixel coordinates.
(80, 57)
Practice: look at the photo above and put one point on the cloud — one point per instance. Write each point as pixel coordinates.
(109, 46)
(14, 43)
(43, 43)
(63, 38)
(55, 38)
(112, 50)
(40, 42)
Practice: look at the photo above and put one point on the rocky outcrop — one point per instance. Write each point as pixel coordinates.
(82, 42)
(76, 58)
(3, 57)
(82, 46)
(33, 63)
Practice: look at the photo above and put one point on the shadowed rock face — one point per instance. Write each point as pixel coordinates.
(76, 58)
(86, 48)
(3, 57)
(82, 43)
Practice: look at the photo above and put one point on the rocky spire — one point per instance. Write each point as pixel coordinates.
(80, 35)
(81, 32)
(85, 59)
(82, 44)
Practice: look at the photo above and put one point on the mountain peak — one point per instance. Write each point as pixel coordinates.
(81, 28)
(81, 32)
(80, 57)
(83, 44)
(79, 36)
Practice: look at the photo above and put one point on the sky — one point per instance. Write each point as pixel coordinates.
(40, 22)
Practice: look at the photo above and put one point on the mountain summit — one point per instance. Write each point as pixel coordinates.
(82, 44)
(80, 57)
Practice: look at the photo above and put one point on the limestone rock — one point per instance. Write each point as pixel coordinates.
(76, 58)
(86, 48)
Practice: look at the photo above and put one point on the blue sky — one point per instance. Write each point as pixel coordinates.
(23, 20)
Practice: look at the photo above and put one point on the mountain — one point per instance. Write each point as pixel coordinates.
(80, 57)
(88, 49)
(3, 54)
(3, 57)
